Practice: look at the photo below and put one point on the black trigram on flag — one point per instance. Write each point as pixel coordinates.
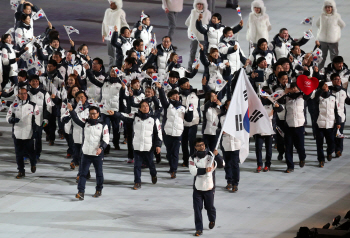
(256, 115)
(245, 94)
(239, 122)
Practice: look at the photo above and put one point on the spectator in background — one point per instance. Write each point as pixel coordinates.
(172, 8)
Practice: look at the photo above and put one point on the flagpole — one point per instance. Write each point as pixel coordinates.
(45, 15)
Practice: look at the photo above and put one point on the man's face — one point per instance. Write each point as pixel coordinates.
(215, 20)
(185, 86)
(200, 146)
(93, 114)
(329, 9)
(55, 44)
(149, 93)
(126, 33)
(81, 97)
(57, 58)
(34, 83)
(286, 67)
(338, 66)
(149, 72)
(113, 6)
(284, 34)
(175, 97)
(21, 79)
(140, 47)
(296, 50)
(263, 46)
(173, 80)
(263, 64)
(96, 66)
(229, 34)
(144, 108)
(146, 21)
(166, 43)
(69, 57)
(278, 69)
(27, 20)
(283, 80)
(136, 85)
(50, 67)
(336, 81)
(22, 94)
(27, 10)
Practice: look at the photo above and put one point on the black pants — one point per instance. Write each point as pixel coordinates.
(115, 125)
(77, 156)
(172, 144)
(339, 141)
(232, 167)
(259, 140)
(146, 156)
(188, 138)
(208, 198)
(38, 142)
(70, 143)
(86, 161)
(210, 141)
(50, 129)
(24, 148)
(130, 137)
(280, 140)
(322, 133)
(312, 110)
(294, 136)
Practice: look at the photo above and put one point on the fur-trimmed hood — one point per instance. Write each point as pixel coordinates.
(119, 3)
(259, 4)
(329, 3)
(204, 2)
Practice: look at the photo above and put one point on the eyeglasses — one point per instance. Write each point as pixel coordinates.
(93, 113)
(200, 145)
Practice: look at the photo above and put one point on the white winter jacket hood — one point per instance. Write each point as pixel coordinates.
(258, 24)
(192, 18)
(259, 4)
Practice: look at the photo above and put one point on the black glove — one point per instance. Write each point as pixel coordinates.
(14, 120)
(37, 45)
(66, 119)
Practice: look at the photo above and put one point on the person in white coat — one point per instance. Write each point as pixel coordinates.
(95, 141)
(172, 9)
(114, 16)
(329, 27)
(259, 23)
(199, 7)
(24, 116)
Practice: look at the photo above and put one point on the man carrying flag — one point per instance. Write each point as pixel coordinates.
(26, 8)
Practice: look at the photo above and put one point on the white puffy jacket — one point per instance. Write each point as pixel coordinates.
(93, 136)
(258, 24)
(144, 130)
(203, 182)
(8, 57)
(186, 101)
(212, 119)
(229, 142)
(43, 101)
(22, 34)
(326, 116)
(83, 115)
(162, 59)
(173, 6)
(295, 111)
(233, 58)
(341, 98)
(114, 18)
(192, 18)
(329, 25)
(174, 124)
(28, 114)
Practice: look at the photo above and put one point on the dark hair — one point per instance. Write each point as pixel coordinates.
(72, 51)
(320, 85)
(57, 53)
(81, 47)
(123, 29)
(267, 89)
(283, 29)
(94, 108)
(225, 105)
(99, 60)
(166, 37)
(334, 75)
(281, 74)
(143, 101)
(134, 81)
(148, 16)
(26, 5)
(294, 44)
(53, 62)
(34, 77)
(24, 17)
(212, 50)
(53, 35)
(81, 92)
(22, 73)
(226, 30)
(137, 42)
(293, 85)
(338, 59)
(260, 59)
(208, 96)
(154, 68)
(4, 36)
(198, 140)
(69, 95)
(261, 41)
(129, 52)
(217, 15)
(172, 92)
(174, 74)
(274, 66)
(52, 39)
(130, 60)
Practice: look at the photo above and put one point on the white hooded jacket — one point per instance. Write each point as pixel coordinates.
(329, 25)
(258, 24)
(192, 18)
(114, 18)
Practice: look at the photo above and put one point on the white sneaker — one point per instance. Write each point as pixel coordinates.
(130, 161)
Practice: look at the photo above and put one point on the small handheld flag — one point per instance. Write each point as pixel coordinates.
(307, 21)
(239, 12)
(308, 34)
(39, 14)
(70, 30)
